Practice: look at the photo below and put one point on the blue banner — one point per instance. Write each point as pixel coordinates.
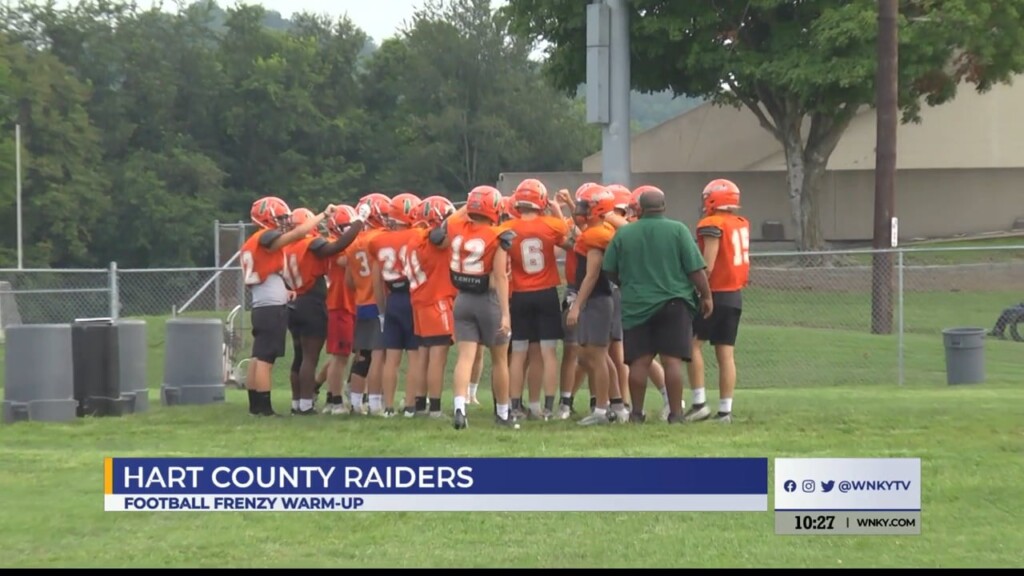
(494, 476)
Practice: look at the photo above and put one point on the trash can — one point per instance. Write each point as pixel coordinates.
(97, 367)
(132, 353)
(965, 355)
(193, 362)
(38, 377)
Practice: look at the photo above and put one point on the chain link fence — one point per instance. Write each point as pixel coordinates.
(809, 320)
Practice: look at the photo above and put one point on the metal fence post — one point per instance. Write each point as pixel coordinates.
(899, 313)
(241, 282)
(216, 264)
(115, 296)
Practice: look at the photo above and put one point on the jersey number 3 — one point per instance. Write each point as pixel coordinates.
(741, 246)
(468, 255)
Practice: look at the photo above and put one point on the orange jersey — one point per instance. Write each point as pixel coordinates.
(339, 295)
(359, 263)
(302, 266)
(473, 246)
(570, 258)
(596, 237)
(390, 249)
(427, 267)
(731, 269)
(259, 262)
(532, 253)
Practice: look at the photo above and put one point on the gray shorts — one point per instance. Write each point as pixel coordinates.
(368, 335)
(478, 318)
(594, 327)
(616, 314)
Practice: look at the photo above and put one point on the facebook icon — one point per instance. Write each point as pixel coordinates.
(789, 486)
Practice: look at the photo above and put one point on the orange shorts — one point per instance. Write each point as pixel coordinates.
(340, 332)
(436, 319)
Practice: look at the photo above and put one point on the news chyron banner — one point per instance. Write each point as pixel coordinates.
(847, 496)
(436, 485)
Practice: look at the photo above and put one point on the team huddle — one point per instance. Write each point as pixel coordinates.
(409, 277)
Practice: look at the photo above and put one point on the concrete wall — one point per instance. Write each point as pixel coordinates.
(930, 203)
(971, 131)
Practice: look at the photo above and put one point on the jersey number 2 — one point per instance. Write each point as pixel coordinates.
(249, 268)
(468, 255)
(741, 246)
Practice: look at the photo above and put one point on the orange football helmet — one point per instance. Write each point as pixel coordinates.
(300, 216)
(400, 210)
(532, 194)
(594, 203)
(622, 197)
(270, 212)
(720, 194)
(586, 188)
(508, 209)
(379, 205)
(433, 211)
(485, 202)
(343, 217)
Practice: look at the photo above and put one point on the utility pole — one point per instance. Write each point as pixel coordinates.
(609, 86)
(887, 107)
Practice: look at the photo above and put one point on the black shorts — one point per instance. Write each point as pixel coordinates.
(668, 332)
(536, 315)
(721, 328)
(307, 316)
(269, 332)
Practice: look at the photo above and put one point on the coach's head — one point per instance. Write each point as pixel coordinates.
(647, 200)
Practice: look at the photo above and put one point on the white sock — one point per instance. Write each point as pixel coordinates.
(566, 394)
(460, 404)
(472, 389)
(376, 402)
(699, 396)
(725, 405)
(535, 407)
(295, 404)
(306, 404)
(356, 398)
(601, 411)
(503, 411)
(664, 395)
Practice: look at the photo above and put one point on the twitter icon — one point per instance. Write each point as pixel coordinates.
(827, 485)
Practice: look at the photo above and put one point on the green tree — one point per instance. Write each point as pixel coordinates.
(803, 68)
(456, 101)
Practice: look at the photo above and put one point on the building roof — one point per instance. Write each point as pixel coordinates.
(972, 131)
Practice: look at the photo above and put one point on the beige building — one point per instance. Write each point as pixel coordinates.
(960, 170)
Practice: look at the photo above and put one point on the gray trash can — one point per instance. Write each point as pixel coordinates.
(965, 355)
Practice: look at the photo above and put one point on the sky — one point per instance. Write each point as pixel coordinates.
(380, 19)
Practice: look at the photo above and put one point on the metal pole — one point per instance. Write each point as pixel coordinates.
(899, 312)
(887, 123)
(17, 179)
(216, 264)
(616, 147)
(115, 298)
(241, 282)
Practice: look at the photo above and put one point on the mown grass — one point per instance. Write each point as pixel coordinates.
(813, 383)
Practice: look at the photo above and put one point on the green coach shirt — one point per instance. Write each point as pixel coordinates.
(653, 258)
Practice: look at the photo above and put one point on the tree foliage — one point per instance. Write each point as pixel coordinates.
(141, 126)
(804, 68)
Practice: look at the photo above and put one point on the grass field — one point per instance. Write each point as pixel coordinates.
(814, 383)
